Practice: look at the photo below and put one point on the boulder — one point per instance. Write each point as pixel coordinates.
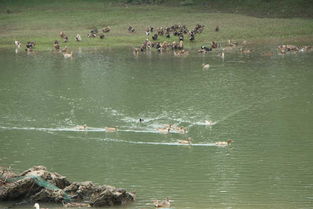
(37, 184)
(20, 189)
(42, 172)
(110, 196)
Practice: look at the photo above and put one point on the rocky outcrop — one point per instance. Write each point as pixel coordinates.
(37, 184)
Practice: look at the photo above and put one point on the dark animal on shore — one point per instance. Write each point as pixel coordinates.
(143, 48)
(62, 34)
(106, 29)
(78, 38)
(30, 44)
(131, 29)
(206, 48)
(214, 45)
(91, 35)
(157, 45)
(185, 31)
(56, 45)
(101, 36)
(199, 28)
(164, 45)
(147, 43)
(192, 36)
(178, 46)
(155, 36)
(217, 29)
(95, 30)
(149, 30)
(160, 31)
(65, 39)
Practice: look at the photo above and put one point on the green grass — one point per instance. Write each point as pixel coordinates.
(41, 21)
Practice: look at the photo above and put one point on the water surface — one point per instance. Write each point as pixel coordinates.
(263, 103)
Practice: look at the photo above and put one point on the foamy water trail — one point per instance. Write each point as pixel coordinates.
(89, 129)
(53, 129)
(157, 143)
(206, 123)
(109, 139)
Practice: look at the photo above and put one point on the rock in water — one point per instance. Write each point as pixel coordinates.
(37, 184)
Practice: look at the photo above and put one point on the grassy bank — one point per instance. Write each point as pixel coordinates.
(41, 21)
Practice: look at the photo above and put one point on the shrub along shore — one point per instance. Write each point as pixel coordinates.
(42, 21)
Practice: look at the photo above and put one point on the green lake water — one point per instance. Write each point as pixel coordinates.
(265, 104)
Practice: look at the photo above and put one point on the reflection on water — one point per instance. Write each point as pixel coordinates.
(263, 103)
